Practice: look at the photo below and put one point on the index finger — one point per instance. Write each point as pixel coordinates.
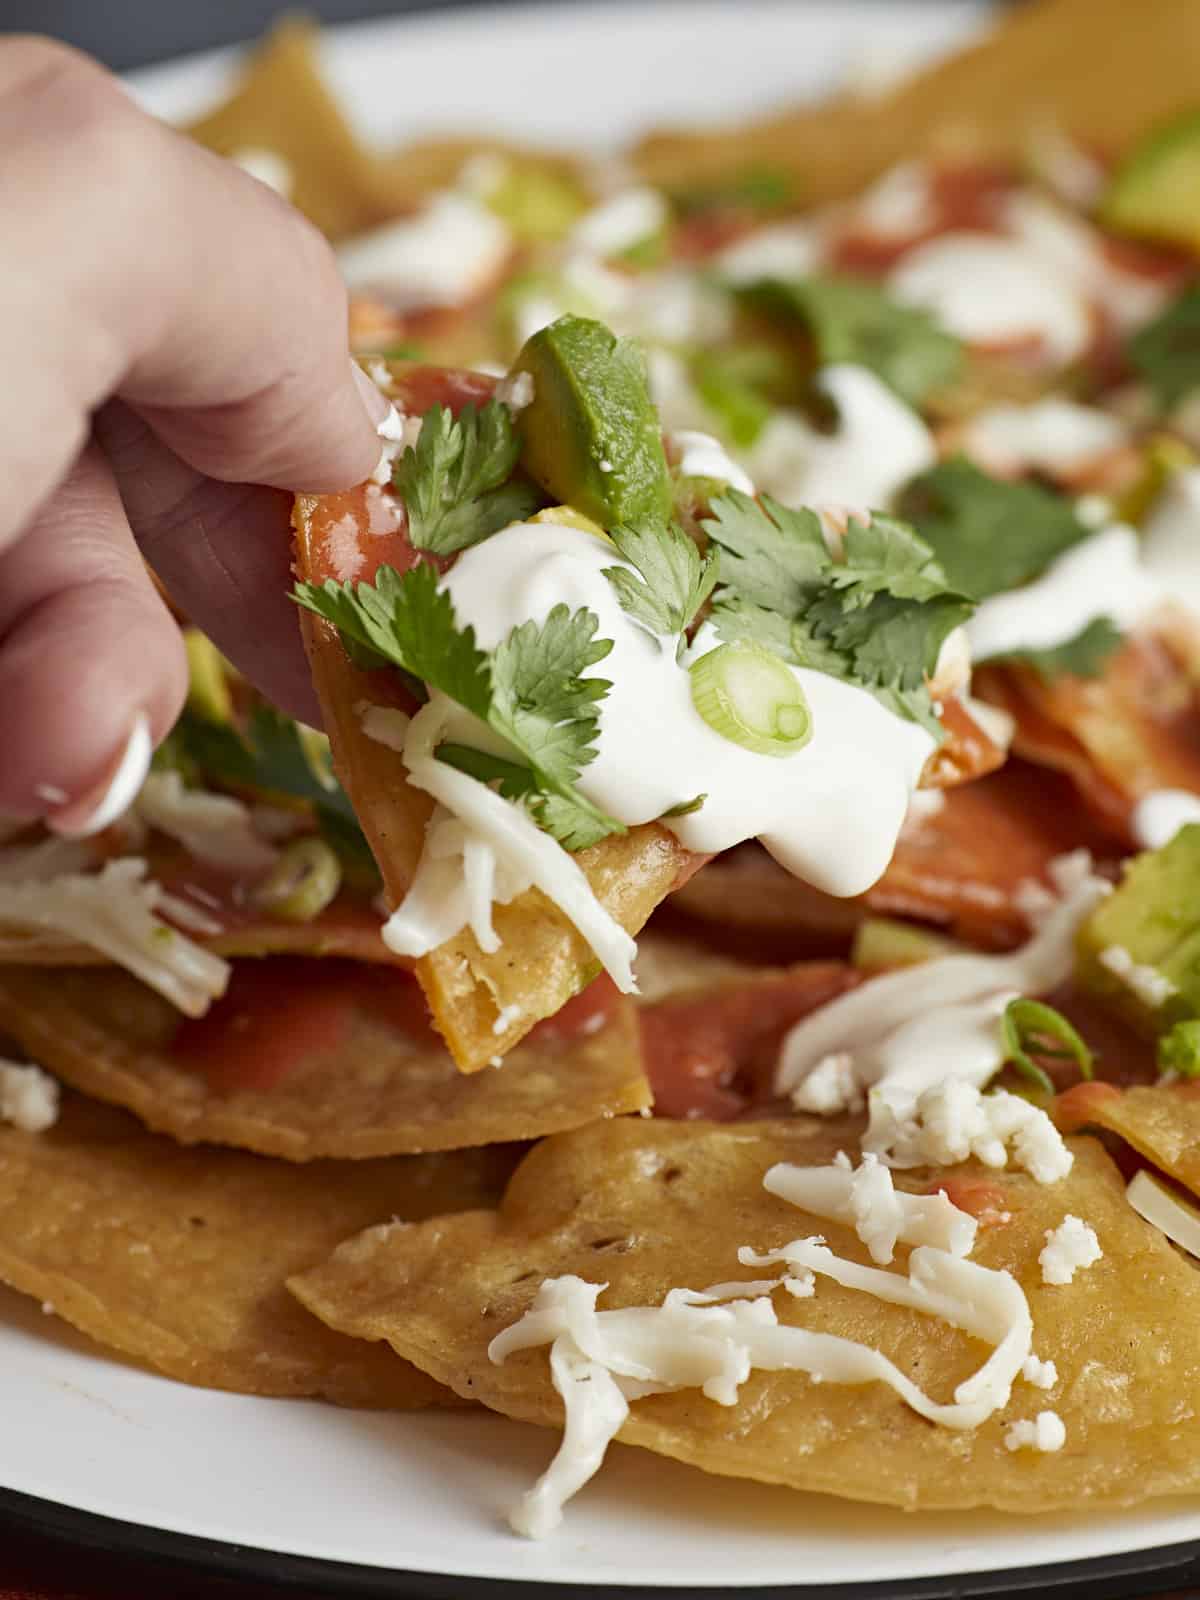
(148, 267)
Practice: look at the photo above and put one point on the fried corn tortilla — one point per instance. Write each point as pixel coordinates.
(178, 1258)
(318, 1059)
(542, 960)
(1134, 729)
(1160, 1121)
(648, 1207)
(1101, 70)
(282, 105)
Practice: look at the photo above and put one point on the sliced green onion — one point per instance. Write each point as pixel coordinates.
(1179, 1050)
(1028, 1024)
(302, 882)
(750, 697)
(318, 758)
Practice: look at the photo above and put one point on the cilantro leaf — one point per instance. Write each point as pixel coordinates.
(877, 620)
(1166, 352)
(769, 553)
(454, 480)
(852, 320)
(674, 580)
(988, 535)
(530, 690)
(409, 622)
(1084, 656)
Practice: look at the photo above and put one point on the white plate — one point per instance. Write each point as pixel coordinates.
(426, 1493)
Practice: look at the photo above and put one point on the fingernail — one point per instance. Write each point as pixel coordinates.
(93, 812)
(377, 403)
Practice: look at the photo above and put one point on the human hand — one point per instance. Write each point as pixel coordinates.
(175, 359)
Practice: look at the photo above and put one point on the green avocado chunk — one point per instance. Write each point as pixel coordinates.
(590, 435)
(1139, 951)
(1155, 192)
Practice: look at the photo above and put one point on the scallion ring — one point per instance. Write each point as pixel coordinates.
(302, 882)
(752, 698)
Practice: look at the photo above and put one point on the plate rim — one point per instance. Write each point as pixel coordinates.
(1093, 1577)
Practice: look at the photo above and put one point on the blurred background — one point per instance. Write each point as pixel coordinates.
(131, 33)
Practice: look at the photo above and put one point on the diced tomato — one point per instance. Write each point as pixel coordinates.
(982, 1198)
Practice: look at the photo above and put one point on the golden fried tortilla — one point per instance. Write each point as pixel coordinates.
(1160, 1121)
(178, 1258)
(1104, 71)
(307, 1059)
(645, 1207)
(282, 104)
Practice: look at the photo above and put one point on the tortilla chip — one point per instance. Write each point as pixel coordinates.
(713, 1054)
(961, 868)
(646, 1207)
(1160, 1121)
(283, 105)
(542, 961)
(1099, 69)
(318, 1059)
(1119, 736)
(178, 1258)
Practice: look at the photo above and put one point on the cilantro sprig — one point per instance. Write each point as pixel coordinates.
(455, 480)
(849, 319)
(988, 534)
(1166, 351)
(531, 690)
(878, 619)
(672, 580)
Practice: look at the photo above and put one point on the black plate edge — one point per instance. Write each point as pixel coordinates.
(1137, 1572)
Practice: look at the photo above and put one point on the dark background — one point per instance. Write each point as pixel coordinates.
(130, 33)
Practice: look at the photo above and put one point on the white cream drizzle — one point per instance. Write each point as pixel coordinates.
(699, 455)
(441, 256)
(780, 250)
(1171, 539)
(601, 1361)
(926, 1039)
(878, 445)
(620, 222)
(1159, 815)
(1052, 435)
(991, 290)
(1103, 575)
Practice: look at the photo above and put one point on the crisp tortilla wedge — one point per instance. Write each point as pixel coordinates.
(647, 1207)
(177, 1258)
(1117, 737)
(1101, 70)
(1160, 1121)
(307, 1059)
(542, 960)
(961, 868)
(282, 104)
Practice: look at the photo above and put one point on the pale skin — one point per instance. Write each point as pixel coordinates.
(173, 345)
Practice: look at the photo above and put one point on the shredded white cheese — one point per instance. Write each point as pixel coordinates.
(601, 1361)
(114, 911)
(214, 828)
(494, 831)
(925, 1040)
(1069, 1247)
(1046, 1432)
(28, 1097)
(619, 223)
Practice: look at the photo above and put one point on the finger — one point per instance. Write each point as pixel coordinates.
(145, 265)
(89, 654)
(222, 550)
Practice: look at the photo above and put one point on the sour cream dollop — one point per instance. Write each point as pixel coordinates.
(830, 813)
